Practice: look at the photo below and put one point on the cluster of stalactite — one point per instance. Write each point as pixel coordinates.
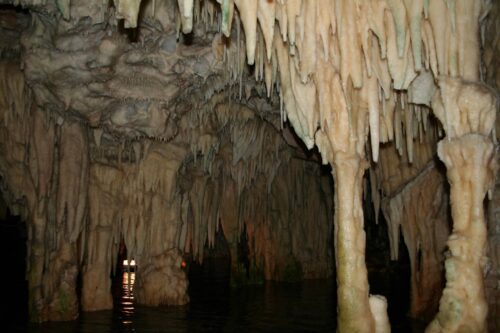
(248, 181)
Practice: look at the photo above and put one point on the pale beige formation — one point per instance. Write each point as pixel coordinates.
(162, 123)
(470, 169)
(467, 112)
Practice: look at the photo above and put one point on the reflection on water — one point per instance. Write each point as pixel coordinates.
(126, 308)
(273, 307)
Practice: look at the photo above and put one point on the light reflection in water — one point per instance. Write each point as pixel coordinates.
(127, 308)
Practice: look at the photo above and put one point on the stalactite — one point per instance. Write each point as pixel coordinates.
(186, 14)
(248, 13)
(414, 10)
(266, 16)
(128, 10)
(349, 43)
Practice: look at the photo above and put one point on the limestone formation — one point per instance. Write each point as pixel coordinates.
(467, 112)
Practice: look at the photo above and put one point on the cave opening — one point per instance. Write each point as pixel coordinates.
(388, 277)
(123, 281)
(213, 273)
(13, 263)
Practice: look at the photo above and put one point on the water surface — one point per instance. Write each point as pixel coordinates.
(308, 306)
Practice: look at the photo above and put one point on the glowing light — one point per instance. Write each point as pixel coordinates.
(126, 263)
(183, 264)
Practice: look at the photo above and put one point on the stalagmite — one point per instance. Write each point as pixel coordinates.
(378, 306)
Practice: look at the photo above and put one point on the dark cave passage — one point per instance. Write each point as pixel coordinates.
(214, 272)
(14, 294)
(390, 278)
(123, 282)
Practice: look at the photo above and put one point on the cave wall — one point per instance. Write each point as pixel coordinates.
(491, 59)
(31, 191)
(493, 274)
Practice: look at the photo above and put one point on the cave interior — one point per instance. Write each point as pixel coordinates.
(236, 142)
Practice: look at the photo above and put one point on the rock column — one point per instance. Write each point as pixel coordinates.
(467, 112)
(353, 289)
(341, 142)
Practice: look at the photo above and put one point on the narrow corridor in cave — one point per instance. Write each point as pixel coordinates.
(215, 269)
(390, 278)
